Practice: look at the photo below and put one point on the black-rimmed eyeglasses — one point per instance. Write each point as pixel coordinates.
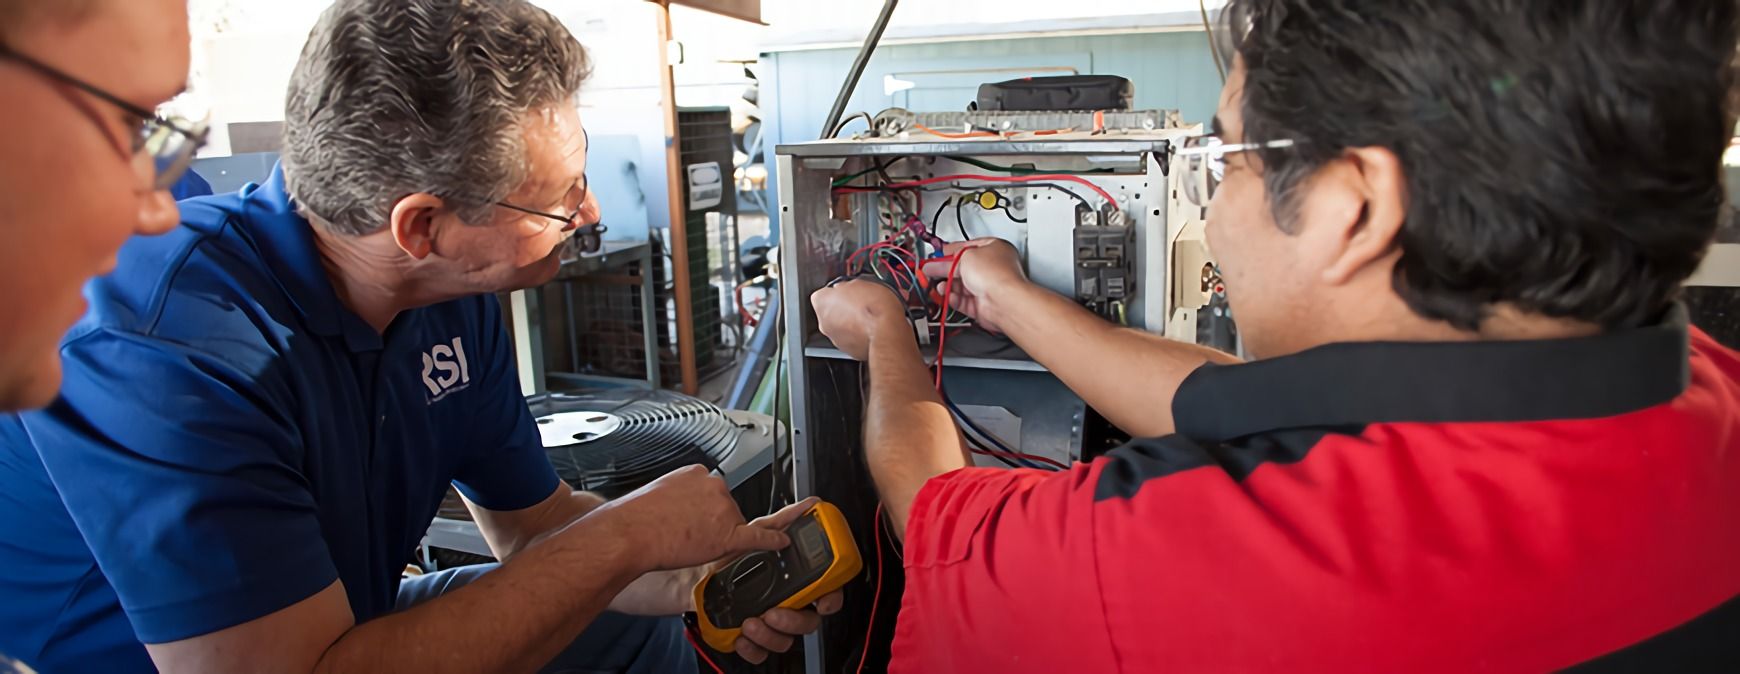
(169, 139)
(568, 221)
(588, 237)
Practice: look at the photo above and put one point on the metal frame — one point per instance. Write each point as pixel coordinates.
(525, 309)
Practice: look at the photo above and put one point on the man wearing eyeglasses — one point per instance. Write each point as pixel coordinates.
(1478, 434)
(264, 409)
(84, 163)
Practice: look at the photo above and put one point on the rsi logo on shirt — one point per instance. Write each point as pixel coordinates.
(445, 370)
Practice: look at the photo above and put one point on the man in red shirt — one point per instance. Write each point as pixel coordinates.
(1479, 434)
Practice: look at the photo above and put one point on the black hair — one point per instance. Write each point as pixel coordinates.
(1564, 157)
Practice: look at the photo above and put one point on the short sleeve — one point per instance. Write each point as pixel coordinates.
(508, 469)
(987, 550)
(183, 483)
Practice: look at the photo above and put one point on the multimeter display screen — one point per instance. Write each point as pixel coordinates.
(759, 581)
(811, 542)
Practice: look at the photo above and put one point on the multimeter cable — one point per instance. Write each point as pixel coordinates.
(689, 633)
(875, 599)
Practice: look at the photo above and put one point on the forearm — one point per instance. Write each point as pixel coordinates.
(509, 533)
(909, 436)
(515, 618)
(1126, 374)
(660, 593)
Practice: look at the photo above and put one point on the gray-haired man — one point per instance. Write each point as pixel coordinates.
(263, 408)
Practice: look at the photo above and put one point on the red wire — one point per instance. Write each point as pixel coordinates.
(1046, 177)
(942, 340)
(947, 294)
(852, 261)
(875, 599)
(702, 652)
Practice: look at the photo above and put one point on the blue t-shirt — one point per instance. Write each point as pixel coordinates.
(231, 439)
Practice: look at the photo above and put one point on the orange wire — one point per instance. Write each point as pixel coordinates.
(989, 134)
(955, 136)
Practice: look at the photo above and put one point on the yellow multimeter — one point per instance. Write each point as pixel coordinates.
(821, 558)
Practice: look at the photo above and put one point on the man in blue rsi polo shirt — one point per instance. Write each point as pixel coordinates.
(263, 409)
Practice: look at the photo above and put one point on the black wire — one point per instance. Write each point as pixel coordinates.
(773, 501)
(1011, 215)
(987, 452)
(965, 423)
(961, 220)
(1064, 190)
(882, 170)
(938, 217)
(868, 120)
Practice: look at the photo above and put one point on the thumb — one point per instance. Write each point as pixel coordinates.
(746, 538)
(787, 515)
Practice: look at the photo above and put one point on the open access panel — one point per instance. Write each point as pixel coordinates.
(1099, 216)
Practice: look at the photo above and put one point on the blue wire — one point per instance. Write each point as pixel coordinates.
(990, 439)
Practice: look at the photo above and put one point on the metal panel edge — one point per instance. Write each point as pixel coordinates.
(803, 481)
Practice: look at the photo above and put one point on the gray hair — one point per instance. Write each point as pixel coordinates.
(394, 98)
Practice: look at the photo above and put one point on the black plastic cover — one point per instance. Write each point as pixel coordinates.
(1063, 92)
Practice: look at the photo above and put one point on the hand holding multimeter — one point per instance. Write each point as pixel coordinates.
(822, 557)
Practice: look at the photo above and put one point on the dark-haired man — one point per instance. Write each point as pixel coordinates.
(263, 409)
(1479, 435)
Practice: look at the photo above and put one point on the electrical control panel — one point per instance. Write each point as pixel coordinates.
(1094, 209)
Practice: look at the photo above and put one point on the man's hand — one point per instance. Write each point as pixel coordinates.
(776, 630)
(853, 312)
(686, 518)
(666, 593)
(986, 266)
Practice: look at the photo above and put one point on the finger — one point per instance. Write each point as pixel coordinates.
(747, 650)
(831, 603)
(787, 515)
(685, 471)
(788, 621)
(958, 246)
(745, 538)
(766, 637)
(938, 267)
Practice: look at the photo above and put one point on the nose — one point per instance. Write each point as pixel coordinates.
(157, 213)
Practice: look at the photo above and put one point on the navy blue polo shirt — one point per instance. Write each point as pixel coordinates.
(231, 439)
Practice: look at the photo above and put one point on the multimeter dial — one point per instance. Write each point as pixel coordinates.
(759, 581)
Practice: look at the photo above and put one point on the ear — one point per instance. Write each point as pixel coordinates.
(413, 223)
(1374, 176)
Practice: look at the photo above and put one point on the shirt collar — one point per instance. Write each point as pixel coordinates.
(1356, 384)
(286, 241)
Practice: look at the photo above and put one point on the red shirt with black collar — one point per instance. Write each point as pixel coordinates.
(1370, 507)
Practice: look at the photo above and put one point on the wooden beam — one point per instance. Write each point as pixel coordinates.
(679, 238)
